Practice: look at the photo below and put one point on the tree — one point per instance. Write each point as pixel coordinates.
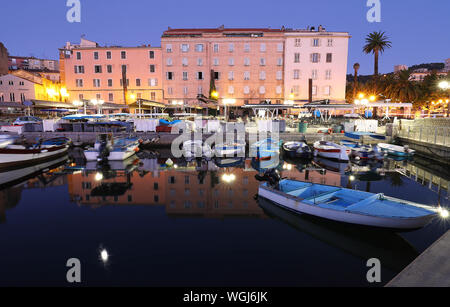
(376, 43)
(356, 67)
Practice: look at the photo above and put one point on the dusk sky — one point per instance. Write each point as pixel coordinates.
(418, 29)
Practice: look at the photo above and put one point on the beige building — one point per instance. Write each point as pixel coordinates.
(318, 55)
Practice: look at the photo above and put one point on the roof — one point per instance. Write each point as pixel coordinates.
(200, 31)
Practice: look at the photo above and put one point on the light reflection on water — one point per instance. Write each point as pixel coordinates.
(142, 209)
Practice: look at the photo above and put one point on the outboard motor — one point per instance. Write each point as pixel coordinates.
(103, 150)
(272, 176)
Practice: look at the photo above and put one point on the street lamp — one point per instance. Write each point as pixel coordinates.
(79, 104)
(99, 103)
(445, 85)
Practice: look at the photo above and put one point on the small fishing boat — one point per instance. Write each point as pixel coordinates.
(265, 149)
(298, 150)
(196, 149)
(358, 135)
(230, 149)
(19, 155)
(6, 140)
(346, 205)
(395, 150)
(331, 150)
(107, 148)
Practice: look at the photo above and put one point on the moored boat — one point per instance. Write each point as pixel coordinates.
(265, 149)
(230, 149)
(331, 150)
(396, 150)
(112, 149)
(298, 150)
(18, 155)
(196, 149)
(349, 206)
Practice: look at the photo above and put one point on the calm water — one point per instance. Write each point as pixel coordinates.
(199, 224)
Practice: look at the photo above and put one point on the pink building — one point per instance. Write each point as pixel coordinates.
(246, 64)
(90, 71)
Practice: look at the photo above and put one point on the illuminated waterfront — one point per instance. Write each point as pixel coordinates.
(142, 223)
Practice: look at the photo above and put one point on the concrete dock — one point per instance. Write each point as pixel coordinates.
(430, 269)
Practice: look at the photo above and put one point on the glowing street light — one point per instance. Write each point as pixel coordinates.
(372, 98)
(228, 178)
(227, 102)
(361, 96)
(445, 85)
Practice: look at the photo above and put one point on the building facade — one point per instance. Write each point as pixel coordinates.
(245, 65)
(398, 68)
(32, 63)
(318, 55)
(90, 71)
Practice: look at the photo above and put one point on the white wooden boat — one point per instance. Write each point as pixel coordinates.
(16, 155)
(331, 150)
(395, 150)
(297, 150)
(349, 206)
(112, 149)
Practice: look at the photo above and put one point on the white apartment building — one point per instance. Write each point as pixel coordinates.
(318, 55)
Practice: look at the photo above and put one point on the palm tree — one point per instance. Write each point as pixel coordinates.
(356, 67)
(376, 43)
(403, 89)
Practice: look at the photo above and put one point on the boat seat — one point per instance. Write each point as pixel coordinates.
(299, 191)
(322, 196)
(366, 201)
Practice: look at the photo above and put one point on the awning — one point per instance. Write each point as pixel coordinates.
(145, 104)
(52, 104)
(5, 105)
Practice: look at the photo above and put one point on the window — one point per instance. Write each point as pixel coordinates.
(328, 74)
(314, 90)
(169, 48)
(2, 98)
(184, 47)
(108, 55)
(327, 90)
(199, 62)
(246, 61)
(279, 75)
(123, 55)
(79, 69)
(79, 82)
(297, 42)
(231, 47)
(231, 61)
(121, 82)
(314, 74)
(110, 82)
(96, 82)
(78, 55)
(153, 96)
(246, 89)
(185, 90)
(170, 90)
(280, 47)
(80, 96)
(11, 82)
(296, 74)
(246, 47)
(151, 54)
(138, 82)
(184, 62)
(216, 76)
(111, 97)
(12, 98)
(95, 55)
(315, 57)
(231, 89)
(22, 97)
(262, 90)
(153, 82)
(200, 90)
(280, 61)
(169, 62)
(330, 42)
(230, 75)
(199, 75)
(262, 62)
(152, 68)
(297, 57)
(262, 47)
(216, 48)
(316, 42)
(329, 57)
(216, 62)
(199, 47)
(109, 69)
(98, 69)
(246, 75)
(262, 75)
(278, 89)
(185, 75)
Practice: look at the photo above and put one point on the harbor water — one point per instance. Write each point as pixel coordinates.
(143, 223)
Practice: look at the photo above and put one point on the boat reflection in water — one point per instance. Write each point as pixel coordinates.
(391, 249)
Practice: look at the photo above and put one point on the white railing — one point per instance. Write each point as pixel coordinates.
(429, 134)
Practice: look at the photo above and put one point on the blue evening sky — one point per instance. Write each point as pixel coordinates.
(419, 29)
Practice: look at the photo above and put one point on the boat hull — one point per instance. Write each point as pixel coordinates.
(17, 158)
(293, 204)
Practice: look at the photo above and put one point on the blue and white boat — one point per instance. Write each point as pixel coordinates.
(346, 205)
(361, 151)
(230, 149)
(265, 149)
(395, 150)
(358, 135)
